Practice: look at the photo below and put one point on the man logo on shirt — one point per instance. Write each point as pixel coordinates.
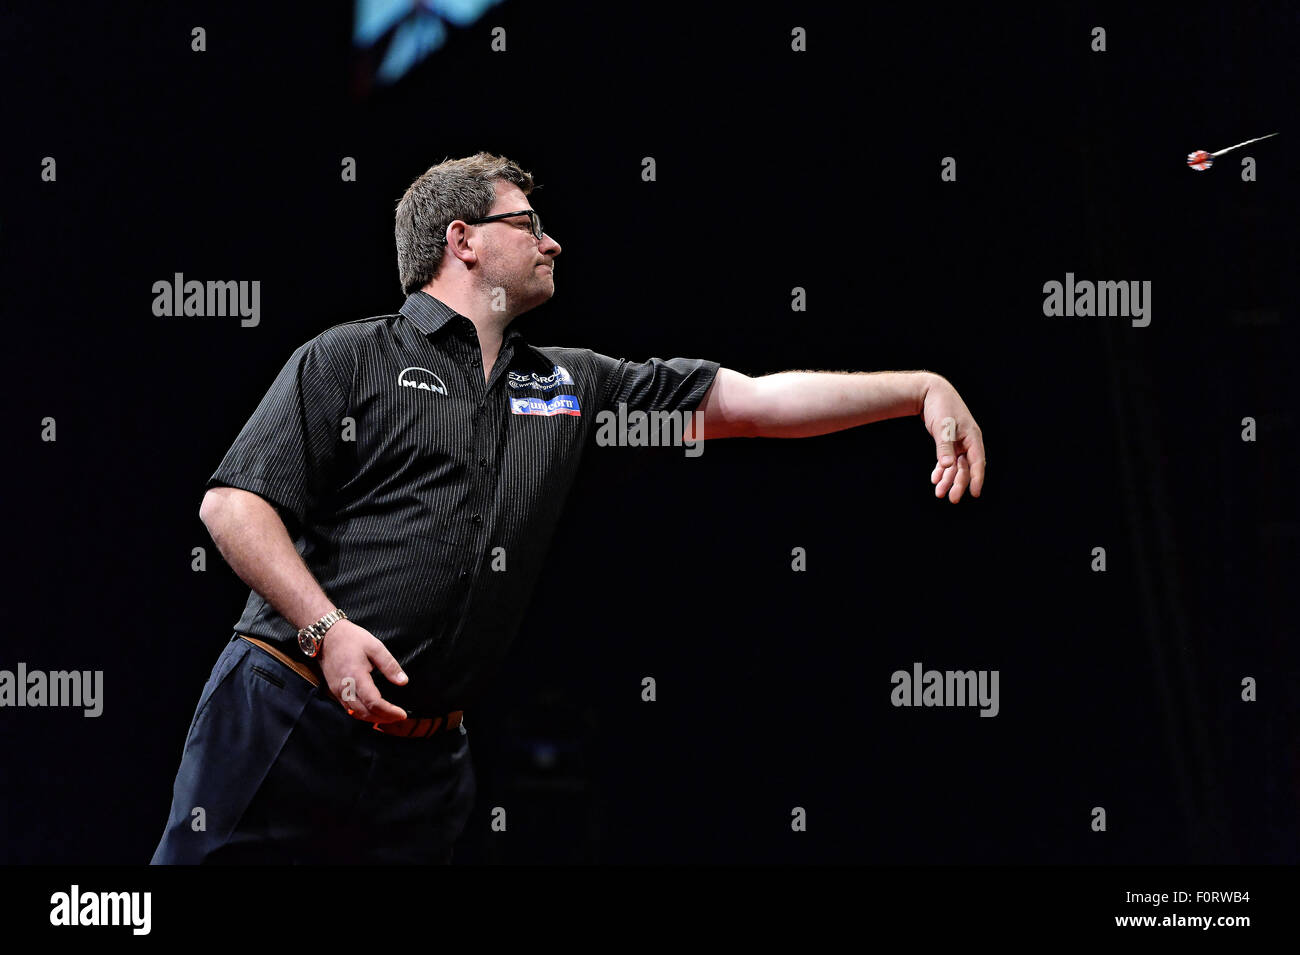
(424, 381)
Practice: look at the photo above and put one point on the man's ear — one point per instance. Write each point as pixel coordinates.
(458, 242)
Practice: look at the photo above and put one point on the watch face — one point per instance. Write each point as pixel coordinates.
(308, 644)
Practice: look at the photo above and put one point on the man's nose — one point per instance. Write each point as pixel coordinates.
(549, 246)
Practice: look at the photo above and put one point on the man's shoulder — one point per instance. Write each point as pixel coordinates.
(357, 330)
(347, 337)
(573, 355)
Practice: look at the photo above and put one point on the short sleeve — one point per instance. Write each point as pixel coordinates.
(674, 384)
(287, 450)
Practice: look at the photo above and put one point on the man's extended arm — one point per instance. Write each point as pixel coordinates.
(801, 404)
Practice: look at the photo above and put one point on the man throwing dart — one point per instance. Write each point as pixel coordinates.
(393, 460)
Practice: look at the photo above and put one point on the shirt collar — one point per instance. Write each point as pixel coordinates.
(430, 314)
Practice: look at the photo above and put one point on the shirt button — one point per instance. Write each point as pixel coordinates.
(482, 462)
(477, 519)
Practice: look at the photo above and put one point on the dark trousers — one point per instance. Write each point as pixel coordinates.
(275, 771)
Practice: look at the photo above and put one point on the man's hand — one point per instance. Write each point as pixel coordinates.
(958, 441)
(350, 653)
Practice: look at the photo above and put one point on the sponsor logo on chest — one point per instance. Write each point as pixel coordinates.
(560, 404)
(558, 376)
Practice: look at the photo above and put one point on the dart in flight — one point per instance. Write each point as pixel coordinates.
(1202, 160)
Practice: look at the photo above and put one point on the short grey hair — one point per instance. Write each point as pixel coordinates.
(453, 189)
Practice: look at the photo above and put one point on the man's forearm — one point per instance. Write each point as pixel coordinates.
(800, 404)
(257, 546)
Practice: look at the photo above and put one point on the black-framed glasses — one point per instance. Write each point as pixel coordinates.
(531, 213)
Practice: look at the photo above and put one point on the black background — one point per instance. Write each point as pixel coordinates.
(775, 169)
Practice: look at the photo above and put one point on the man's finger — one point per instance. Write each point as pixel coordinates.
(961, 480)
(977, 462)
(386, 663)
(375, 708)
(346, 696)
(946, 481)
(357, 709)
(947, 433)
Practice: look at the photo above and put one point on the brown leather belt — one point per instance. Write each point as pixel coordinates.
(414, 728)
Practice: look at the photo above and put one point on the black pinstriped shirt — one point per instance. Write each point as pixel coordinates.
(423, 498)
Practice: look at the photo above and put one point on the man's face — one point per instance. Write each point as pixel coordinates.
(511, 257)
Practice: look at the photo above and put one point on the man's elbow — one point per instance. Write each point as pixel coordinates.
(217, 501)
(730, 407)
(209, 506)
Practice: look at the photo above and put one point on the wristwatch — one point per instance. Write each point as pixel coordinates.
(310, 639)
